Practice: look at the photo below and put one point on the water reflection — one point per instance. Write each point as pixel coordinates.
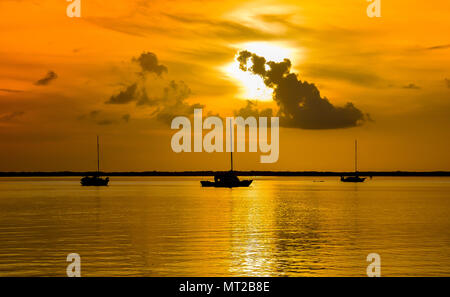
(173, 227)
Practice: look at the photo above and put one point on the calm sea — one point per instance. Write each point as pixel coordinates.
(172, 227)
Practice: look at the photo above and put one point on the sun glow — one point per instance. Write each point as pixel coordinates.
(252, 86)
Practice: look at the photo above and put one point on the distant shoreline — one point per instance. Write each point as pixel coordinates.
(240, 173)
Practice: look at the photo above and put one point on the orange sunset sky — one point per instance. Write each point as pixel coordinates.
(65, 80)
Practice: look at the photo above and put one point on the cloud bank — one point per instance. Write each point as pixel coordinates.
(300, 103)
(171, 103)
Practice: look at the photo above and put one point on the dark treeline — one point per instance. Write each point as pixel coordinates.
(240, 173)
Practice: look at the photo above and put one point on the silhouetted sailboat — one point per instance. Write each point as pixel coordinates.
(227, 179)
(354, 178)
(95, 180)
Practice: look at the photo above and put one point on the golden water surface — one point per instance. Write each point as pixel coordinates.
(157, 226)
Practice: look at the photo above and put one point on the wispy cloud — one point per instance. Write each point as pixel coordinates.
(438, 47)
(411, 86)
(10, 91)
(127, 26)
(352, 75)
(50, 76)
(10, 116)
(224, 29)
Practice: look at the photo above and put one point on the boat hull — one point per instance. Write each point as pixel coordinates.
(353, 179)
(239, 184)
(94, 181)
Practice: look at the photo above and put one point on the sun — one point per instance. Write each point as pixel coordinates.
(252, 86)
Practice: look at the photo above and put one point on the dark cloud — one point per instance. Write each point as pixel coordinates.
(170, 104)
(251, 110)
(149, 63)
(51, 75)
(10, 116)
(300, 103)
(411, 86)
(125, 96)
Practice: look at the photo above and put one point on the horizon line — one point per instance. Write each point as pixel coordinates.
(212, 172)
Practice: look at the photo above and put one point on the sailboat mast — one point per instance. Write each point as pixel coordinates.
(231, 144)
(356, 155)
(98, 157)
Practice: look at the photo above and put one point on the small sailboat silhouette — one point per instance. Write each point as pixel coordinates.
(95, 180)
(354, 178)
(227, 179)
